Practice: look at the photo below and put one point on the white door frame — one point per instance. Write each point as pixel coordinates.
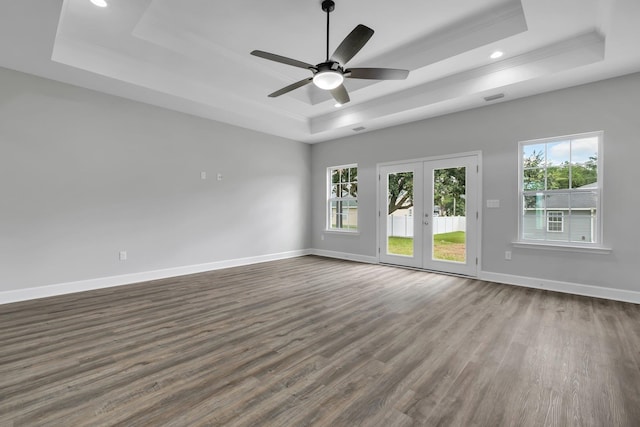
(478, 155)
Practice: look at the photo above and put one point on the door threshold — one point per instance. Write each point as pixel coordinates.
(444, 273)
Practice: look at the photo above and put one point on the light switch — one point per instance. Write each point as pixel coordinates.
(203, 175)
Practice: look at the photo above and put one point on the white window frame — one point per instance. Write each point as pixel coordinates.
(553, 218)
(330, 200)
(597, 245)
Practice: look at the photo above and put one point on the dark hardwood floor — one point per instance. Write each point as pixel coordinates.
(314, 341)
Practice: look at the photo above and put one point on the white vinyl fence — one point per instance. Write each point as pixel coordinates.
(402, 226)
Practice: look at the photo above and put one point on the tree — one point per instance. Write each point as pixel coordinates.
(572, 175)
(534, 171)
(586, 173)
(534, 160)
(448, 187)
(400, 191)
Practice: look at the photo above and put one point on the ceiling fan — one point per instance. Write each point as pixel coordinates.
(330, 74)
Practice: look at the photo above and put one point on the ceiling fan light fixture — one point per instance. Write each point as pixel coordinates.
(328, 80)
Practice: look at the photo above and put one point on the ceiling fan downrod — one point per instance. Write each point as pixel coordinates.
(328, 6)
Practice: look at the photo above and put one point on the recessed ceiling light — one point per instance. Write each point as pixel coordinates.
(337, 105)
(497, 54)
(100, 3)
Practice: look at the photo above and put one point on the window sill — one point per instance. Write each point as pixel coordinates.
(342, 232)
(563, 248)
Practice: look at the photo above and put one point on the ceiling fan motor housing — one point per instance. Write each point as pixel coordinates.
(328, 5)
(329, 66)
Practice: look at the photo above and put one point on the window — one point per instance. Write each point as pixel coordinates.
(342, 206)
(554, 221)
(560, 184)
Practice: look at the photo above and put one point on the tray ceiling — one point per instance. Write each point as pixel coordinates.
(193, 55)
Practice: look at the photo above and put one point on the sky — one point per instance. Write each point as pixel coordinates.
(576, 150)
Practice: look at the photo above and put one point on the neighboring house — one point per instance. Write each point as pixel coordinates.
(403, 212)
(563, 217)
(348, 217)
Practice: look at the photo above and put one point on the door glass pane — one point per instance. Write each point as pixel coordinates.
(400, 214)
(449, 215)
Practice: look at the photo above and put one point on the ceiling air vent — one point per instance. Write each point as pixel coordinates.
(359, 128)
(494, 97)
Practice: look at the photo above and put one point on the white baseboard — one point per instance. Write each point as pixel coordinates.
(565, 287)
(344, 255)
(127, 279)
(509, 279)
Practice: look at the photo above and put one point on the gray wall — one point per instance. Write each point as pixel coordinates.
(84, 175)
(612, 106)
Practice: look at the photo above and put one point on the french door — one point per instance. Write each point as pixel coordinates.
(428, 214)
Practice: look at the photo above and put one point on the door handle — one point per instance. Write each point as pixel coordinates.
(426, 223)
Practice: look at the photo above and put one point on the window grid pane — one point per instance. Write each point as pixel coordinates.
(342, 204)
(560, 190)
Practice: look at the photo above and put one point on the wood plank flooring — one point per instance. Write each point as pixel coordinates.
(315, 341)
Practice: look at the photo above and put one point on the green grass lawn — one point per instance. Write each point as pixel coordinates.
(401, 245)
(449, 246)
(446, 246)
(454, 237)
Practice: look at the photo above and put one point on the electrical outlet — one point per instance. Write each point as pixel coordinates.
(203, 175)
(322, 237)
(219, 177)
(507, 255)
(123, 255)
